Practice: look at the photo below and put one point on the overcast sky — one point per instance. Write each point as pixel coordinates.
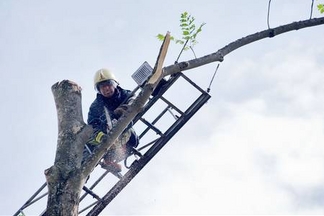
(255, 148)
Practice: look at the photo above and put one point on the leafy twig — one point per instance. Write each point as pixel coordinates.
(189, 32)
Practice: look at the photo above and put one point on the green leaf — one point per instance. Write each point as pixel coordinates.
(179, 42)
(185, 32)
(320, 8)
(160, 37)
(184, 14)
(185, 28)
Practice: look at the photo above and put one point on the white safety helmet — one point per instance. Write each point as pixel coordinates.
(103, 75)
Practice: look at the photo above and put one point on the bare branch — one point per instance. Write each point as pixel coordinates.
(221, 53)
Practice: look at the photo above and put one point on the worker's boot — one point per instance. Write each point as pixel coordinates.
(111, 166)
(109, 162)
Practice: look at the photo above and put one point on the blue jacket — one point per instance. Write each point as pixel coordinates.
(96, 116)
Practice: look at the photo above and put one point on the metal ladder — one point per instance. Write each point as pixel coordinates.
(145, 152)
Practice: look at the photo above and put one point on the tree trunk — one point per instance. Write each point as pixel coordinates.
(66, 178)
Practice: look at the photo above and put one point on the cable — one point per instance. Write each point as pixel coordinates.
(185, 44)
(311, 13)
(211, 81)
(268, 16)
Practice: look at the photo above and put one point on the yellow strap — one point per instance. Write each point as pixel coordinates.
(99, 137)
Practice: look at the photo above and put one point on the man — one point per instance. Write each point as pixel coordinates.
(111, 100)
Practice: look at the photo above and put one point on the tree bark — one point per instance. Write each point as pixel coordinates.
(65, 178)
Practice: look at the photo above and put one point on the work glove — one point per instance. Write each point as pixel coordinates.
(97, 138)
(119, 111)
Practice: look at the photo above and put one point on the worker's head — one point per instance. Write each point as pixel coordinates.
(105, 82)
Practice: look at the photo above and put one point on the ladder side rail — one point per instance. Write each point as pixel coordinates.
(30, 199)
(137, 166)
(89, 206)
(192, 83)
(201, 101)
(36, 199)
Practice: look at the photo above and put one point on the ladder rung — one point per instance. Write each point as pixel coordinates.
(91, 193)
(151, 126)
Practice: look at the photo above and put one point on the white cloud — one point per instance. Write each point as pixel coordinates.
(251, 164)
